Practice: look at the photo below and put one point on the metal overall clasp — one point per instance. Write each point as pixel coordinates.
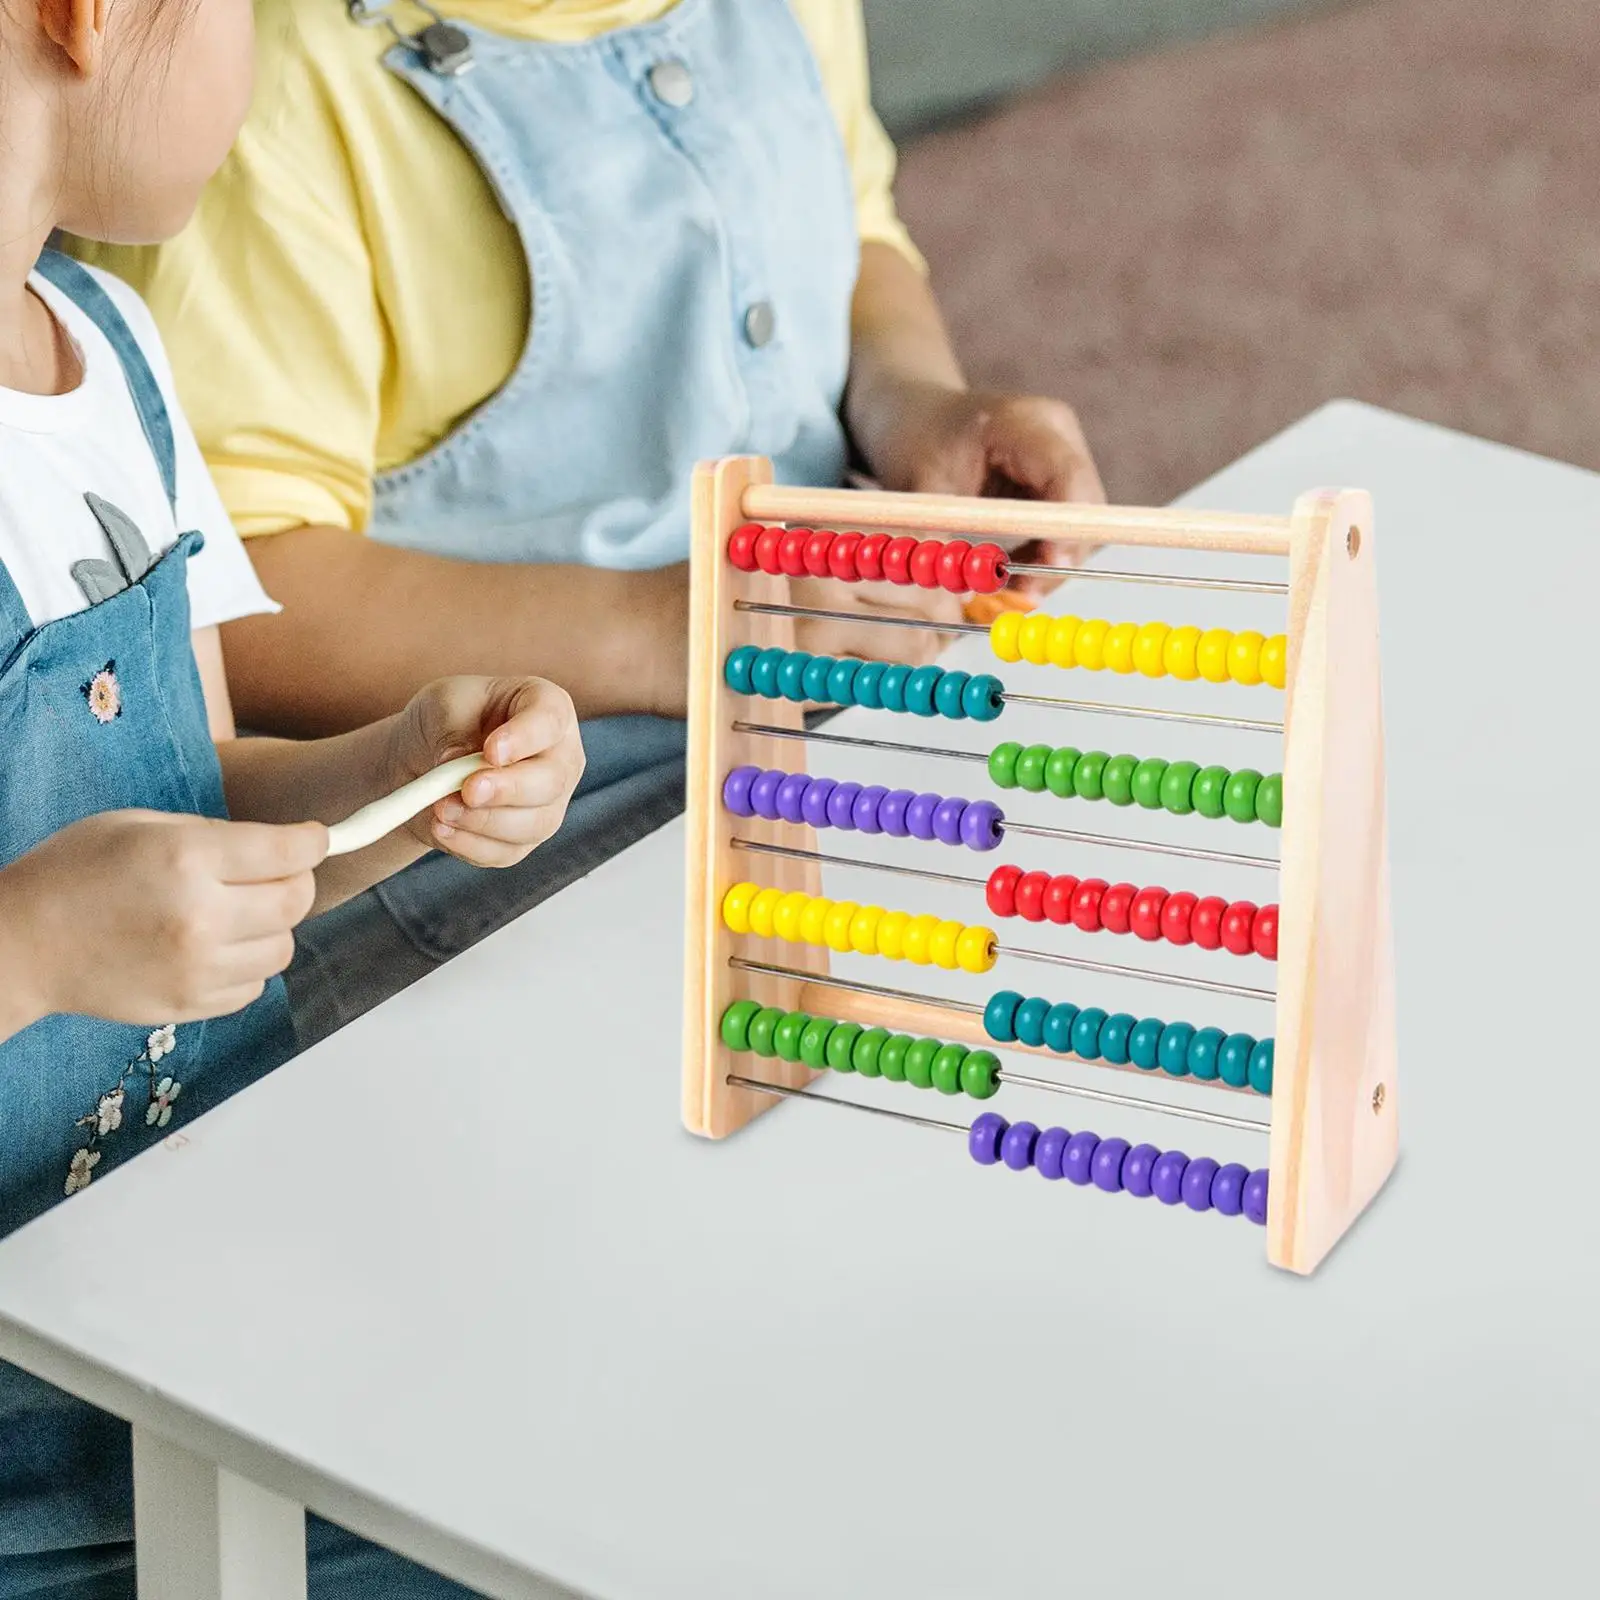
(446, 50)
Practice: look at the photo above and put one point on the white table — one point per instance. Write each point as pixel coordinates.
(457, 1280)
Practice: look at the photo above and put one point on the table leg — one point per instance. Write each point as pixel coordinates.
(204, 1534)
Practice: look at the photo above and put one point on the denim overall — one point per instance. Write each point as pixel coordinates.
(685, 205)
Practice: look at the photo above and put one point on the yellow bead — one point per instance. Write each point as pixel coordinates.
(864, 930)
(918, 932)
(836, 929)
(1003, 633)
(1244, 657)
(736, 907)
(892, 934)
(786, 919)
(762, 910)
(1275, 660)
(1088, 649)
(1119, 646)
(1211, 655)
(1059, 647)
(942, 946)
(814, 920)
(1148, 644)
(1033, 638)
(975, 949)
(1177, 656)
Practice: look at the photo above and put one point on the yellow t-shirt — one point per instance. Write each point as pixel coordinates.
(350, 288)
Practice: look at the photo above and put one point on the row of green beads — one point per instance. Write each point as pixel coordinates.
(1176, 786)
(822, 1042)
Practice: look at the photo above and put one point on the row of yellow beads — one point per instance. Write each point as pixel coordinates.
(844, 926)
(1153, 648)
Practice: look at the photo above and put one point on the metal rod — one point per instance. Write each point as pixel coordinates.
(858, 743)
(1106, 708)
(851, 1105)
(793, 854)
(1112, 970)
(1135, 1102)
(826, 980)
(1159, 580)
(769, 609)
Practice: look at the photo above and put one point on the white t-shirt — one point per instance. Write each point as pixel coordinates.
(54, 448)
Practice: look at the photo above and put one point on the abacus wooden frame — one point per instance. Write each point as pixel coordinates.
(1334, 1136)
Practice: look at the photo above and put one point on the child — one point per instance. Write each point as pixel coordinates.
(490, 285)
(141, 932)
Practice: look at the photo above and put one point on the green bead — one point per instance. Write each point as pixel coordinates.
(1204, 1049)
(842, 1046)
(1177, 787)
(1117, 779)
(1088, 775)
(1058, 771)
(919, 1063)
(1003, 764)
(1210, 784)
(892, 1057)
(1239, 798)
(814, 1042)
(736, 1023)
(1030, 768)
(1115, 1033)
(1233, 1060)
(1269, 800)
(762, 1026)
(786, 1036)
(864, 1057)
(1261, 1067)
(980, 1074)
(946, 1069)
(1174, 1051)
(1144, 1043)
(1147, 778)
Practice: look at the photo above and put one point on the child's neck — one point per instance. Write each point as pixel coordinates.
(36, 356)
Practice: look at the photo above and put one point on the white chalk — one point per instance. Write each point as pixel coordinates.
(371, 823)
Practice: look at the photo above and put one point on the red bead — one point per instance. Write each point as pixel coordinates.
(869, 557)
(953, 566)
(1236, 927)
(1031, 888)
(924, 566)
(1144, 916)
(897, 559)
(1001, 890)
(818, 548)
(986, 569)
(742, 546)
(792, 552)
(1206, 922)
(1058, 899)
(842, 557)
(1175, 915)
(1264, 935)
(1086, 904)
(767, 550)
(1115, 905)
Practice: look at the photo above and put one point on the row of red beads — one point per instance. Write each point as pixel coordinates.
(1092, 904)
(951, 564)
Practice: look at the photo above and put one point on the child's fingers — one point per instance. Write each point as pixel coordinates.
(520, 825)
(259, 909)
(540, 717)
(481, 850)
(537, 781)
(258, 852)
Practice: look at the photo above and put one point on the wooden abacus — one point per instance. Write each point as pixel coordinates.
(1328, 1072)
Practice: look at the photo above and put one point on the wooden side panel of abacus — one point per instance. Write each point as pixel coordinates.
(710, 1105)
(1334, 1101)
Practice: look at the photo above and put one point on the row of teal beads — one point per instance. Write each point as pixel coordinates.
(1176, 786)
(879, 686)
(823, 1043)
(1177, 1048)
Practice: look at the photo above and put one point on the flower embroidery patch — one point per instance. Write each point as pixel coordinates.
(106, 1117)
(160, 1112)
(104, 694)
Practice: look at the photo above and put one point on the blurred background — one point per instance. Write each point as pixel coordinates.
(1199, 219)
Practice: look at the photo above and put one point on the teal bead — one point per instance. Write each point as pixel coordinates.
(1204, 1049)
(1030, 768)
(1210, 785)
(736, 1022)
(1233, 1060)
(788, 1033)
(1177, 787)
(1000, 1016)
(792, 675)
(764, 673)
(841, 1049)
(1058, 1021)
(1239, 798)
(892, 1057)
(1261, 1067)
(1115, 1033)
(1144, 1043)
(815, 678)
(1030, 1021)
(1086, 1033)
(919, 1062)
(1147, 778)
(1003, 764)
(946, 1068)
(1117, 779)
(920, 689)
(842, 681)
(762, 1026)
(1176, 1038)
(1087, 776)
(1058, 771)
(736, 669)
(814, 1042)
(892, 691)
(980, 1074)
(869, 684)
(949, 695)
(981, 698)
(1269, 800)
(864, 1054)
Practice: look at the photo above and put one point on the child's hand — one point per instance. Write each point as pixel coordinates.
(141, 917)
(528, 732)
(873, 641)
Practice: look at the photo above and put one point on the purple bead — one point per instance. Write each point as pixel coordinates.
(865, 811)
(1166, 1177)
(842, 805)
(1137, 1167)
(791, 797)
(892, 813)
(1077, 1160)
(980, 825)
(764, 794)
(947, 820)
(1255, 1196)
(1016, 1149)
(984, 1136)
(1048, 1152)
(814, 804)
(736, 790)
(1106, 1168)
(1197, 1183)
(919, 815)
(1227, 1188)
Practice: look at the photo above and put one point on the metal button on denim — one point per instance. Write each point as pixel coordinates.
(671, 83)
(760, 323)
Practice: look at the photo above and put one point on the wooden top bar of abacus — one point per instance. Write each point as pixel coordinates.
(1023, 519)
